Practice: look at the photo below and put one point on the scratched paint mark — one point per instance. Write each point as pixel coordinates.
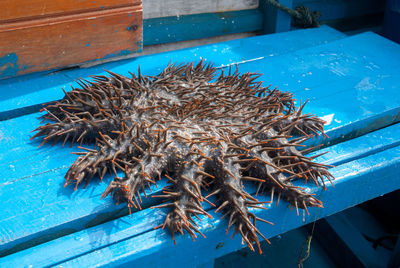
(365, 84)
(9, 65)
(327, 118)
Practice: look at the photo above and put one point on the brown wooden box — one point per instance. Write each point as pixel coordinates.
(37, 35)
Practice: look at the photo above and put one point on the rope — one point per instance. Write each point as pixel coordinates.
(307, 244)
(302, 15)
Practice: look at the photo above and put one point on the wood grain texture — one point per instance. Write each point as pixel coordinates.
(157, 8)
(12, 10)
(55, 42)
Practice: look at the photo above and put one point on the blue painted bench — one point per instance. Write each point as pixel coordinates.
(351, 82)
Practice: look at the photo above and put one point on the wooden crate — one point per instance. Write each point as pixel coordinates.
(48, 34)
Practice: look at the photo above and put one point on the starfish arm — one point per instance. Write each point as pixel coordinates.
(234, 201)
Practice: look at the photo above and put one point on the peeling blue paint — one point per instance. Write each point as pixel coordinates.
(120, 53)
(9, 65)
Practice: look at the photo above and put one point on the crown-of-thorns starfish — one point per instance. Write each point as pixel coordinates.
(207, 132)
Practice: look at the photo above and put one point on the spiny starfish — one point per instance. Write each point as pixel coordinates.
(205, 131)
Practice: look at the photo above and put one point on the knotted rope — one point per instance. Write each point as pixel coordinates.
(302, 15)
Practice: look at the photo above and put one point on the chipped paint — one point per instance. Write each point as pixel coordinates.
(120, 53)
(9, 65)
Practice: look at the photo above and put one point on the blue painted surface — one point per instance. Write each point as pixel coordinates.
(346, 83)
(19, 153)
(189, 27)
(131, 238)
(38, 89)
(366, 145)
(276, 20)
(349, 85)
(60, 209)
(19, 93)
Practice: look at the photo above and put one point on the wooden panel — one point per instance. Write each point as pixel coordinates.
(50, 43)
(189, 27)
(17, 9)
(157, 8)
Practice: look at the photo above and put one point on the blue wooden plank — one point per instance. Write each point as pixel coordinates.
(347, 82)
(364, 146)
(31, 90)
(189, 27)
(276, 20)
(131, 238)
(61, 211)
(24, 169)
(16, 93)
(376, 175)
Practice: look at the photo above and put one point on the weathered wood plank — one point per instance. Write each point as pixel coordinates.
(11, 10)
(157, 9)
(43, 88)
(137, 227)
(49, 43)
